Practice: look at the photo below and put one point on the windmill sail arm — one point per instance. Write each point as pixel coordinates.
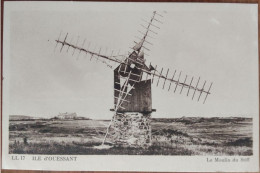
(177, 82)
(64, 43)
(145, 34)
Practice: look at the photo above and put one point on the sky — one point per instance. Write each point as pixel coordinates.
(217, 42)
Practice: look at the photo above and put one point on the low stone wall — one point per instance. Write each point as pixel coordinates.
(131, 129)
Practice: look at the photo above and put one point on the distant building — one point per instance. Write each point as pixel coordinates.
(67, 115)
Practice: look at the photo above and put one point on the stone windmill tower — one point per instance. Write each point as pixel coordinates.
(131, 123)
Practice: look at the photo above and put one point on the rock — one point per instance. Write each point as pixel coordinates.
(133, 130)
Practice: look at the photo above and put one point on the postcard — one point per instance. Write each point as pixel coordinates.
(127, 86)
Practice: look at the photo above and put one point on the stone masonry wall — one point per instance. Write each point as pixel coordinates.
(131, 129)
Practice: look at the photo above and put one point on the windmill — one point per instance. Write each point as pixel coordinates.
(131, 122)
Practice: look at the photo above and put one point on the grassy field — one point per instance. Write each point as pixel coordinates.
(178, 136)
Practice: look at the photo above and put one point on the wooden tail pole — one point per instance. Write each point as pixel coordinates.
(171, 81)
(118, 105)
(109, 125)
(159, 77)
(184, 84)
(122, 91)
(177, 82)
(189, 86)
(119, 69)
(165, 78)
(196, 88)
(208, 92)
(154, 72)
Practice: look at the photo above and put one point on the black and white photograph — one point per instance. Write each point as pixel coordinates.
(131, 80)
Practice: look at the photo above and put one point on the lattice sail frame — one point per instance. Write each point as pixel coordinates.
(139, 63)
(132, 67)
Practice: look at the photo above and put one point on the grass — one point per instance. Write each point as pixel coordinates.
(56, 148)
(185, 136)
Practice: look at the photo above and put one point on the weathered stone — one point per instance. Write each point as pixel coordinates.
(132, 129)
